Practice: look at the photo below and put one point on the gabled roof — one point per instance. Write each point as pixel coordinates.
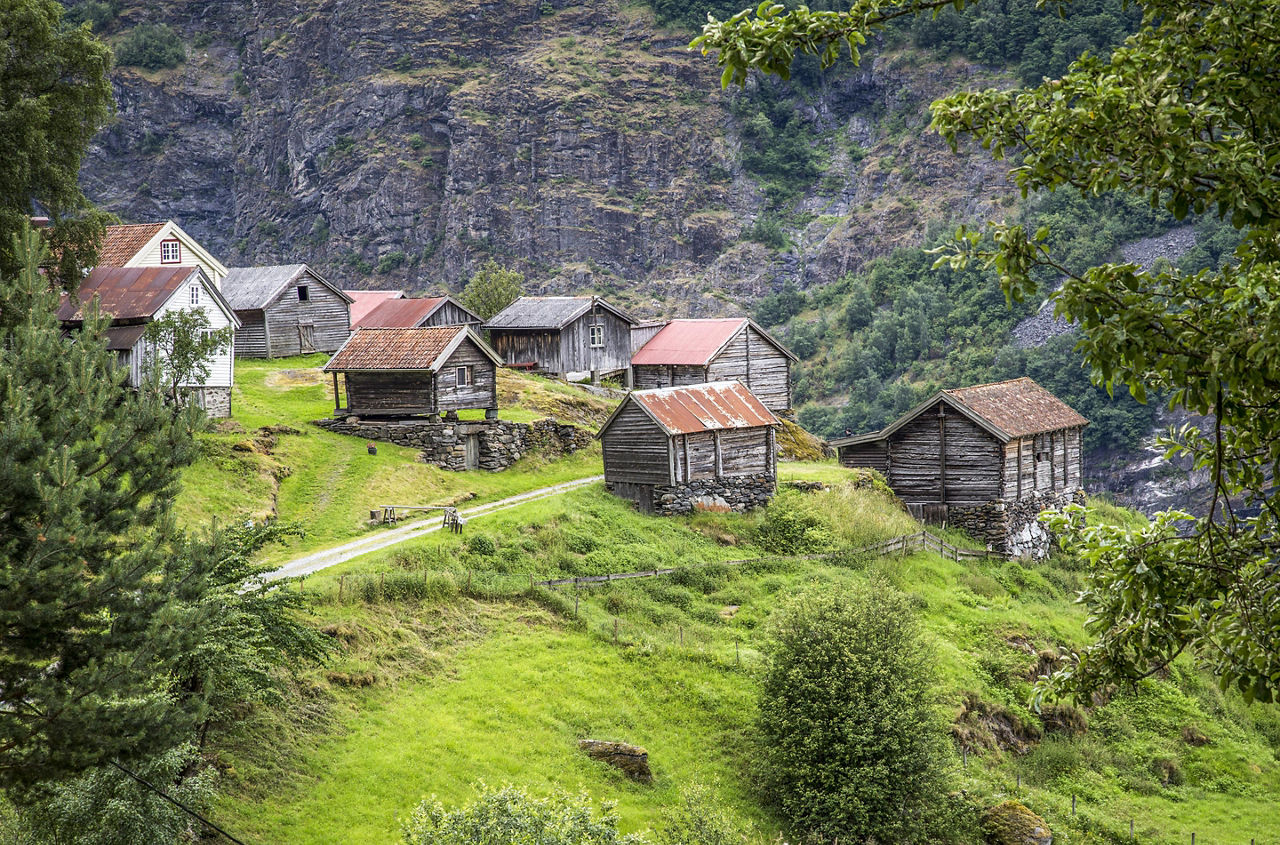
(697, 342)
(364, 301)
(549, 312)
(121, 243)
(136, 293)
(715, 406)
(1005, 409)
(425, 348)
(254, 288)
(406, 313)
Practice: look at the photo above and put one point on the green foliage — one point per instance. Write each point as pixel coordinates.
(778, 147)
(510, 815)
(698, 820)
(492, 288)
(792, 525)
(97, 13)
(182, 345)
(91, 611)
(57, 95)
(767, 230)
(776, 308)
(391, 261)
(151, 46)
(853, 748)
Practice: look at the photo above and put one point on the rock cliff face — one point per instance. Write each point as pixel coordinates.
(401, 143)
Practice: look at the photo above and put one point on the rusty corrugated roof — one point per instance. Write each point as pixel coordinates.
(364, 301)
(1018, 407)
(714, 406)
(399, 313)
(120, 243)
(126, 293)
(689, 342)
(395, 348)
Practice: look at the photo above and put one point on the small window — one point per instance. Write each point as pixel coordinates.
(170, 252)
(304, 295)
(462, 377)
(597, 337)
(195, 294)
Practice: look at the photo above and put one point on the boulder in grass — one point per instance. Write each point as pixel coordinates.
(1011, 823)
(631, 759)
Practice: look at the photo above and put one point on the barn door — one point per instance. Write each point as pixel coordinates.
(306, 337)
(472, 460)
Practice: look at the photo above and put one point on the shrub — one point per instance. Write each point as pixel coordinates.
(698, 820)
(481, 544)
(151, 46)
(853, 749)
(790, 526)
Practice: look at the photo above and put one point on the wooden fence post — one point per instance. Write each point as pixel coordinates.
(575, 602)
(382, 585)
(342, 582)
(615, 630)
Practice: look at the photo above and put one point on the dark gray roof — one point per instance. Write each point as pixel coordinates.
(254, 288)
(548, 312)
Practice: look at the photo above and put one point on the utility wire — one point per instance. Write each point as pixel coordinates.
(175, 802)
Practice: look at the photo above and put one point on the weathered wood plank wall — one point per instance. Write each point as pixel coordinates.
(483, 390)
(396, 392)
(515, 346)
(449, 314)
(577, 355)
(646, 376)
(636, 450)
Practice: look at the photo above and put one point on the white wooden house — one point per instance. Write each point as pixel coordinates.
(135, 297)
(157, 245)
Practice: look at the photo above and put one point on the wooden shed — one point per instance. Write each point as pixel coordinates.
(284, 310)
(698, 351)
(570, 337)
(411, 372)
(1008, 441)
(665, 447)
(417, 313)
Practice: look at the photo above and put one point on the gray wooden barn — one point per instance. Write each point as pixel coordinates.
(1004, 442)
(413, 372)
(697, 351)
(570, 337)
(286, 310)
(674, 449)
(417, 313)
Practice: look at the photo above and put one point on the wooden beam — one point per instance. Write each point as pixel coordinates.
(337, 398)
(942, 453)
(715, 436)
(1019, 441)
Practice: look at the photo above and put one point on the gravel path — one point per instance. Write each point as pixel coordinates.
(316, 561)
(1042, 326)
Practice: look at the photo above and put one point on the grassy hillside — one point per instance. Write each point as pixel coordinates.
(268, 460)
(450, 669)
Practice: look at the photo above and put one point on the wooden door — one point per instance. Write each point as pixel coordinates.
(306, 337)
(472, 460)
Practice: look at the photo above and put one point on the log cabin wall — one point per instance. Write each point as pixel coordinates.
(389, 393)
(645, 376)
(482, 392)
(747, 451)
(969, 459)
(636, 450)
(319, 323)
(759, 365)
(251, 337)
(449, 314)
(577, 355)
(523, 346)
(872, 455)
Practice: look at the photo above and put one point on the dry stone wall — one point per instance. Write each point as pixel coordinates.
(496, 444)
(1013, 528)
(736, 493)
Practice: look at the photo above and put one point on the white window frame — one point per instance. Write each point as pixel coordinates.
(195, 295)
(462, 377)
(597, 336)
(176, 257)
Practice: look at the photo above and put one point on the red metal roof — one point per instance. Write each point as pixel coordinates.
(364, 301)
(689, 342)
(1018, 407)
(120, 243)
(398, 313)
(714, 406)
(126, 293)
(394, 348)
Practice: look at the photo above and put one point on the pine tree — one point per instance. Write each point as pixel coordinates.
(90, 623)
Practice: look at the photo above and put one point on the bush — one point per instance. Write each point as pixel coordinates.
(790, 526)
(853, 749)
(151, 46)
(698, 820)
(481, 544)
(510, 815)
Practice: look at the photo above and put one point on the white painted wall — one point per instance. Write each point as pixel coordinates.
(222, 366)
(193, 255)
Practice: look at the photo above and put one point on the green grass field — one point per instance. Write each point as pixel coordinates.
(451, 670)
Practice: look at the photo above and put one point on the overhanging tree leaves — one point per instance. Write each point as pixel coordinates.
(492, 288)
(182, 346)
(1183, 114)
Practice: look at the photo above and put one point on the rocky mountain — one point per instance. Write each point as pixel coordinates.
(403, 142)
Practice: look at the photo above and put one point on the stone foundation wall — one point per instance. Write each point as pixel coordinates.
(498, 443)
(737, 493)
(216, 401)
(1012, 528)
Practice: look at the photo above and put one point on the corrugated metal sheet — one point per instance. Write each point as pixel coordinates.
(253, 288)
(394, 349)
(120, 243)
(398, 313)
(1019, 407)
(714, 406)
(689, 342)
(364, 301)
(131, 293)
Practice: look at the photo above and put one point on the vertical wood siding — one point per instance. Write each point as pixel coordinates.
(636, 450)
(449, 314)
(519, 347)
(390, 392)
(578, 356)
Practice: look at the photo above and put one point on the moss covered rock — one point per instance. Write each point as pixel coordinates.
(1011, 823)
